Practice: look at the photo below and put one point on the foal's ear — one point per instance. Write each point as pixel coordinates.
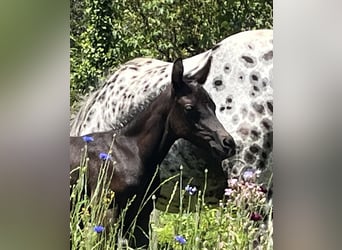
(202, 74)
(177, 75)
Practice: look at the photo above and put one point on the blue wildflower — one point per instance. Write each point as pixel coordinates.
(180, 239)
(87, 138)
(190, 190)
(98, 229)
(104, 156)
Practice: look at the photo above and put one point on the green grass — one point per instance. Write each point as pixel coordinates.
(227, 226)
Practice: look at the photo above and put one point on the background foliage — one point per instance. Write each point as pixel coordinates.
(107, 33)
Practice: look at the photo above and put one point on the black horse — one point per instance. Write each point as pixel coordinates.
(183, 110)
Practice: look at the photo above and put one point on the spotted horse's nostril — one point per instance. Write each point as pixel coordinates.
(229, 143)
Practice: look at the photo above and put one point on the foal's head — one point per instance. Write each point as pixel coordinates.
(192, 116)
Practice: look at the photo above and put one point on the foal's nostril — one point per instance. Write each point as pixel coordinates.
(230, 144)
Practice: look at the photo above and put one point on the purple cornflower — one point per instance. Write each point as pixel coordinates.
(190, 190)
(104, 156)
(180, 239)
(228, 191)
(87, 138)
(98, 229)
(255, 216)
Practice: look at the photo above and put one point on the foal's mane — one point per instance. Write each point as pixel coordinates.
(133, 118)
(130, 119)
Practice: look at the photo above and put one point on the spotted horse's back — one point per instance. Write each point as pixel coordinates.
(240, 82)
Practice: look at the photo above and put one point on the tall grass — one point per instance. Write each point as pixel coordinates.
(242, 220)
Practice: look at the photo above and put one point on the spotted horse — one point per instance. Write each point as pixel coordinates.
(241, 84)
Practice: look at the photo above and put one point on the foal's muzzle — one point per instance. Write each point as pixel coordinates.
(224, 147)
(229, 146)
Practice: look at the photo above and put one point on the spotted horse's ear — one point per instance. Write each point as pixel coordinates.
(202, 74)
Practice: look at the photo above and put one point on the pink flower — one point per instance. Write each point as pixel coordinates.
(228, 191)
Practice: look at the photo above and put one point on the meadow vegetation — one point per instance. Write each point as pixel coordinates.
(242, 220)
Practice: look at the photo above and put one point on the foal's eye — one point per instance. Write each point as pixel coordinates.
(191, 113)
(188, 107)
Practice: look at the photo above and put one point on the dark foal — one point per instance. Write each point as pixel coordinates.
(183, 110)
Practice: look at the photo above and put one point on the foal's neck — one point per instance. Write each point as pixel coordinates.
(150, 131)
